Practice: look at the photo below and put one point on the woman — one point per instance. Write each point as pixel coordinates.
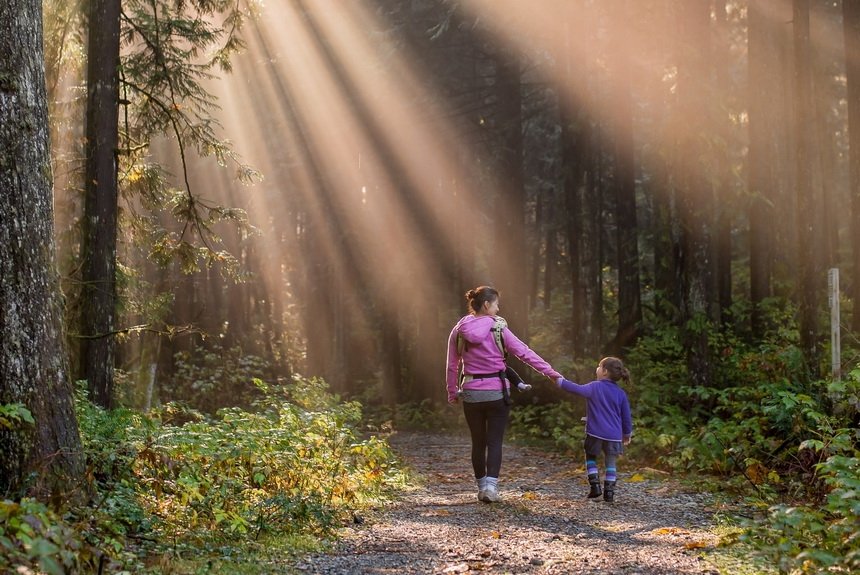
(476, 356)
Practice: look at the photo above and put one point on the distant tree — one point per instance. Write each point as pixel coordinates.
(808, 282)
(760, 161)
(719, 60)
(33, 373)
(851, 23)
(624, 184)
(695, 198)
(510, 207)
(580, 175)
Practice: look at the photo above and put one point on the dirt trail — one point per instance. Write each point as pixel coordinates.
(545, 525)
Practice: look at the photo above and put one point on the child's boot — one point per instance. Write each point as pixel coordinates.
(594, 483)
(609, 491)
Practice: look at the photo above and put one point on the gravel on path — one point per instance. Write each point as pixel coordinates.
(544, 525)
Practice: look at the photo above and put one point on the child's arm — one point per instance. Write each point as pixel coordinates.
(571, 387)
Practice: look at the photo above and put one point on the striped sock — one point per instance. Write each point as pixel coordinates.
(610, 474)
(482, 483)
(591, 466)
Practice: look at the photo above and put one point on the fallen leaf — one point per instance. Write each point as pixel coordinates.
(436, 513)
(636, 478)
(670, 531)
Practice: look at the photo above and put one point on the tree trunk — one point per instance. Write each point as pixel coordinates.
(629, 295)
(760, 160)
(100, 205)
(32, 353)
(509, 226)
(582, 193)
(695, 201)
(718, 61)
(807, 209)
(851, 23)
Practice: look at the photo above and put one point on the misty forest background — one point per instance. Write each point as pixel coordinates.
(252, 199)
(620, 168)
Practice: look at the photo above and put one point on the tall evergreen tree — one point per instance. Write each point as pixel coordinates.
(162, 91)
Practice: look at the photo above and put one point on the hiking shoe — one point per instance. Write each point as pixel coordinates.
(609, 491)
(595, 490)
(481, 494)
(490, 495)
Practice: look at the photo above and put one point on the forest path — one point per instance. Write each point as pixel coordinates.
(544, 525)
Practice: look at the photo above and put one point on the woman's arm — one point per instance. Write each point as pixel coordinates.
(452, 371)
(522, 352)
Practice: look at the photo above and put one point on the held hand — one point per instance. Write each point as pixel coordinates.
(626, 440)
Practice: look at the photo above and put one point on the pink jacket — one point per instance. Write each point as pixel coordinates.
(482, 355)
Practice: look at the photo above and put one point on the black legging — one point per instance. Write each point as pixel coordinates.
(487, 421)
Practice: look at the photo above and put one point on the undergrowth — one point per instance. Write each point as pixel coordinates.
(783, 448)
(174, 491)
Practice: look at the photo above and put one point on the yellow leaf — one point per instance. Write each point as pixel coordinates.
(530, 495)
(636, 478)
(669, 531)
(695, 545)
(496, 535)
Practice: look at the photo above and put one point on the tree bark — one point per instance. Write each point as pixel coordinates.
(98, 250)
(851, 24)
(33, 372)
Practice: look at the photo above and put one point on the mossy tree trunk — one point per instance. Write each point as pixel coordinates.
(33, 372)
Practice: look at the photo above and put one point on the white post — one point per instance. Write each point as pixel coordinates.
(835, 343)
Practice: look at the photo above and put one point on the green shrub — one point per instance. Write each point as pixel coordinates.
(177, 482)
(812, 538)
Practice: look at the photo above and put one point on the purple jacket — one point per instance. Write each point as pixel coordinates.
(607, 410)
(482, 355)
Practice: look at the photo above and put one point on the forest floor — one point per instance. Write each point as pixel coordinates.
(544, 525)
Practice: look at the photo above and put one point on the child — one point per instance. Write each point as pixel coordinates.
(608, 425)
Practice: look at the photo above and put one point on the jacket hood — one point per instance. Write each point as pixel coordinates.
(475, 329)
